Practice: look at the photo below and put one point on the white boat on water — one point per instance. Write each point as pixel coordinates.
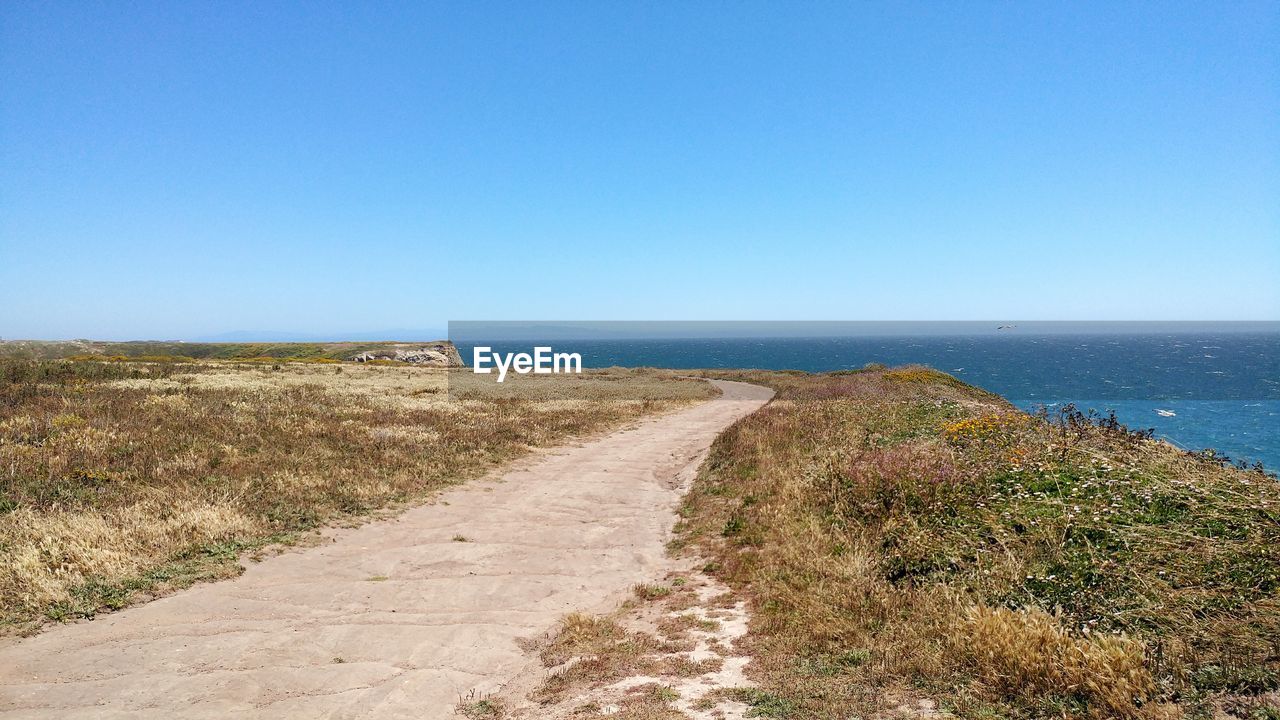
(1166, 413)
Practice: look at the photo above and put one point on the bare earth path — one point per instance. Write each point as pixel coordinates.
(396, 618)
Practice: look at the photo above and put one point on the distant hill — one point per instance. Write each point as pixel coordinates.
(435, 353)
(283, 336)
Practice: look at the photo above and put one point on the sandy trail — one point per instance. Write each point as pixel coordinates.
(396, 618)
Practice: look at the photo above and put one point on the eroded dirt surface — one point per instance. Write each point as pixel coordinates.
(398, 618)
(691, 668)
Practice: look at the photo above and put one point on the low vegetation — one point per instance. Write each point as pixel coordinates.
(153, 351)
(119, 480)
(594, 650)
(907, 540)
(668, 652)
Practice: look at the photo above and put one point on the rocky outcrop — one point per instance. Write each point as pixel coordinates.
(440, 354)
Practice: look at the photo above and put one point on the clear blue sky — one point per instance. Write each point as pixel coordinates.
(175, 170)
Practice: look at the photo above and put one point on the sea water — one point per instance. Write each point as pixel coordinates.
(1195, 389)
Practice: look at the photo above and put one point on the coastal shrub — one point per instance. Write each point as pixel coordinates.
(1001, 564)
(877, 484)
(999, 428)
(912, 375)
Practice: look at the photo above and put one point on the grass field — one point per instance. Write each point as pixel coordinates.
(905, 537)
(122, 480)
(902, 538)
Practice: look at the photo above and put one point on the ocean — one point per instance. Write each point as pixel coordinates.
(1197, 389)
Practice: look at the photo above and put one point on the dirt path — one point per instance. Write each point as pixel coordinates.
(397, 618)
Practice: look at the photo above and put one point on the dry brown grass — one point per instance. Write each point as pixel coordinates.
(1030, 653)
(649, 702)
(587, 651)
(657, 656)
(122, 479)
(904, 536)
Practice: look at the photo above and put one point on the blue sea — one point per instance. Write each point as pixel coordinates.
(1197, 390)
